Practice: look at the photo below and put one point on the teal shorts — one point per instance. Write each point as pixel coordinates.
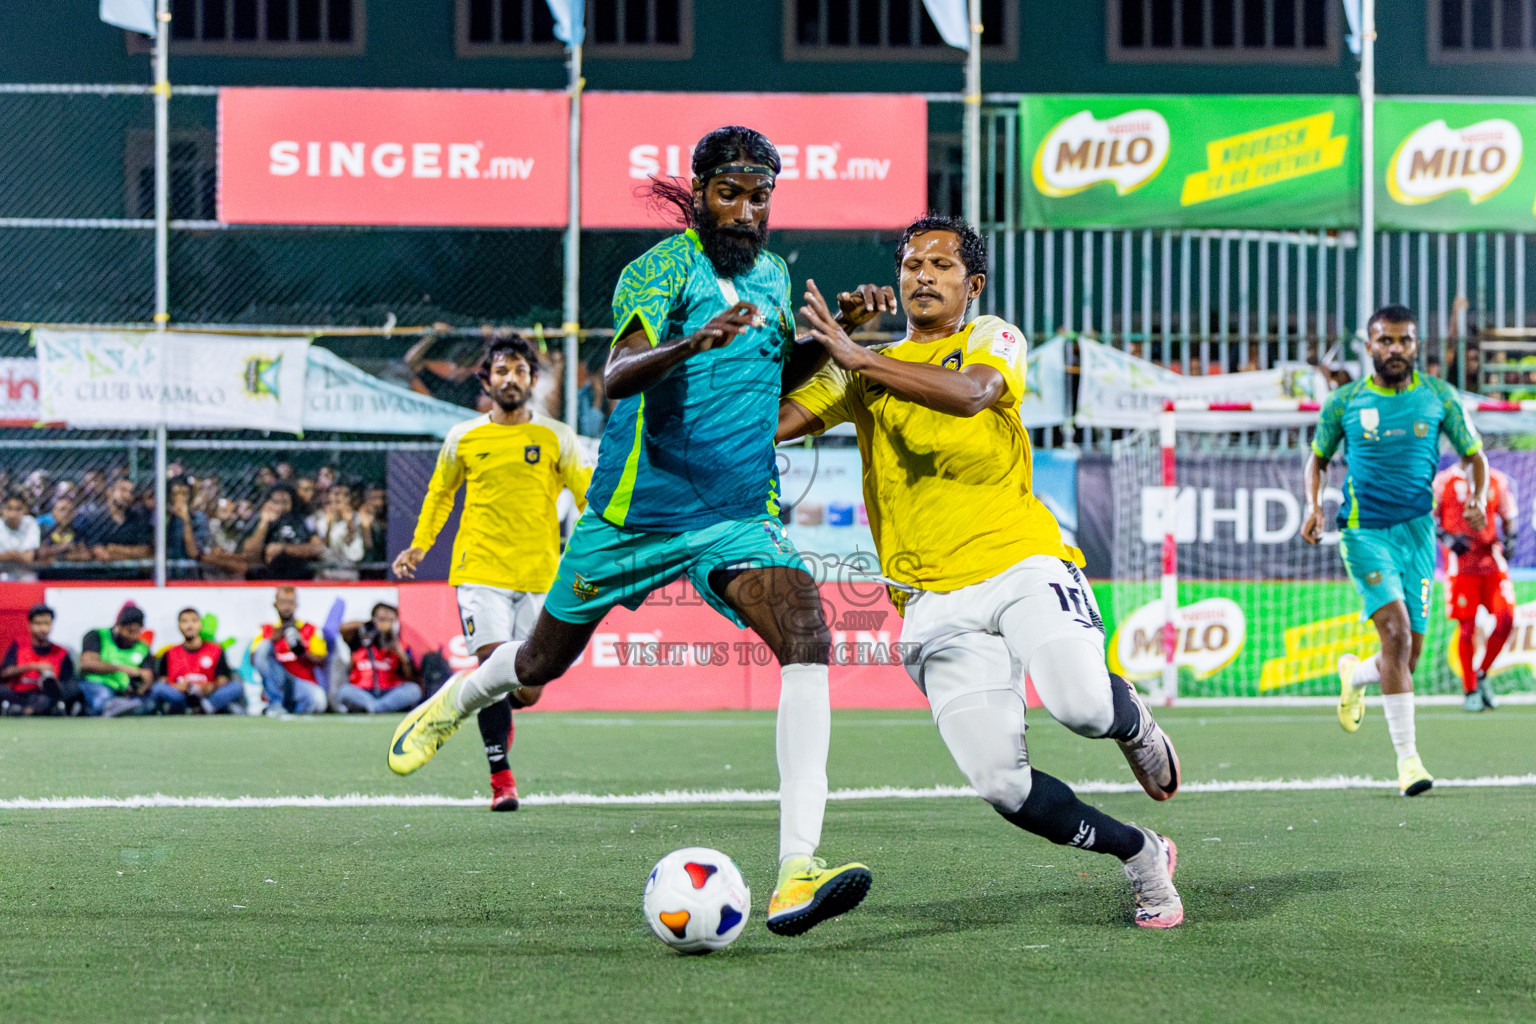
(1393, 563)
(606, 565)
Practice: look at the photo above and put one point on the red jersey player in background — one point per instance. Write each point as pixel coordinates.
(1477, 573)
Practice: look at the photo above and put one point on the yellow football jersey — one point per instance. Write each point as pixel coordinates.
(509, 532)
(949, 497)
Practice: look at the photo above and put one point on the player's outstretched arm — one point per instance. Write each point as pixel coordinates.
(1475, 510)
(795, 420)
(1316, 474)
(635, 364)
(854, 310)
(963, 392)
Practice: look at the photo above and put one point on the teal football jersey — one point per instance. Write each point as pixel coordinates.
(1391, 440)
(696, 448)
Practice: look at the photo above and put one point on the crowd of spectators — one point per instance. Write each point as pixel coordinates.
(271, 524)
(291, 667)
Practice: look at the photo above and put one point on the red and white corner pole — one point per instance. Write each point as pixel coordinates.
(1166, 428)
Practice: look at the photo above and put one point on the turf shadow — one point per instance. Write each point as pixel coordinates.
(1252, 898)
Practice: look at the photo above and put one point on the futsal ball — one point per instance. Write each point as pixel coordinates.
(696, 900)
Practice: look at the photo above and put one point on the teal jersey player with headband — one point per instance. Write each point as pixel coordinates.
(1389, 427)
(686, 487)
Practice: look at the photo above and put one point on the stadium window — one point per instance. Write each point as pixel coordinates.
(660, 29)
(845, 30)
(1223, 31)
(194, 175)
(1482, 31)
(262, 28)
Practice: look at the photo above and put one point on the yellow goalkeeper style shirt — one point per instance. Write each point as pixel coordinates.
(509, 532)
(949, 497)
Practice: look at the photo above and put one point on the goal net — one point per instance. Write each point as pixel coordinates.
(1261, 613)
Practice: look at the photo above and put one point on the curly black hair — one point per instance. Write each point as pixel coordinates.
(973, 250)
(726, 145)
(510, 344)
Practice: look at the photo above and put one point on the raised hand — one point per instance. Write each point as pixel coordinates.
(722, 330)
(864, 303)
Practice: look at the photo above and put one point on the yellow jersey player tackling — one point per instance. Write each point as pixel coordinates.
(979, 570)
(513, 464)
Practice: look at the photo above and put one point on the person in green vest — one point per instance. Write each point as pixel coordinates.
(116, 667)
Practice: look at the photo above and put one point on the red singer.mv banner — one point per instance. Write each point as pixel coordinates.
(850, 160)
(419, 157)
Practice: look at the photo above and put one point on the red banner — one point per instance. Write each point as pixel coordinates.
(393, 157)
(850, 160)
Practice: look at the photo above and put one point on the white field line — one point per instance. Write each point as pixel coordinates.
(721, 796)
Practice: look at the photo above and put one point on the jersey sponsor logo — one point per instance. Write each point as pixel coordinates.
(1005, 345)
(952, 361)
(584, 589)
(531, 454)
(1370, 423)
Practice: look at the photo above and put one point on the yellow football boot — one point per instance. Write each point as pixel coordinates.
(809, 893)
(428, 727)
(1351, 697)
(1412, 779)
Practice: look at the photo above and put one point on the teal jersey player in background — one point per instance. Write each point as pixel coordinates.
(685, 484)
(1389, 426)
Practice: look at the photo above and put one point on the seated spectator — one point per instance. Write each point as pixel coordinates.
(286, 655)
(326, 477)
(280, 546)
(186, 529)
(221, 555)
(206, 492)
(37, 678)
(35, 490)
(373, 520)
(383, 677)
(19, 534)
(195, 673)
(92, 498)
(122, 531)
(59, 540)
(116, 668)
(339, 529)
(266, 477)
(63, 489)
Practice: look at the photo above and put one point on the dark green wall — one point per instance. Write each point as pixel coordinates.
(737, 46)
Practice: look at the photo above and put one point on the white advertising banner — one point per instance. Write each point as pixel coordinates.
(142, 378)
(1045, 403)
(340, 396)
(1118, 389)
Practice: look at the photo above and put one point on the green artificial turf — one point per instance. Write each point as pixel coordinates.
(1350, 905)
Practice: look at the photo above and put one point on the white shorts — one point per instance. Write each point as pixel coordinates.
(492, 615)
(1042, 598)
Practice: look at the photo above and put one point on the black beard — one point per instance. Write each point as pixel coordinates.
(513, 406)
(733, 251)
(1387, 375)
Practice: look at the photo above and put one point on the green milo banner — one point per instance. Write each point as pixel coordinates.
(1191, 161)
(1454, 165)
(1272, 638)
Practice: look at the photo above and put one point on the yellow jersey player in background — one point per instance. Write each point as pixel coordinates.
(987, 589)
(513, 464)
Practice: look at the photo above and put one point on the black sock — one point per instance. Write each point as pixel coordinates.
(1127, 715)
(495, 722)
(1054, 812)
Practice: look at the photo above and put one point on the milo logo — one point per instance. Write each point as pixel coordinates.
(1436, 160)
(1082, 151)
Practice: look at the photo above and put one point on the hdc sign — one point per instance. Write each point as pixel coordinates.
(850, 160)
(416, 157)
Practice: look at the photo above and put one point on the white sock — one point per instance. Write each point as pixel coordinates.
(494, 678)
(1399, 711)
(804, 733)
(1369, 671)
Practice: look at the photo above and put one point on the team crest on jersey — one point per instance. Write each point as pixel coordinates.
(469, 627)
(531, 454)
(1373, 577)
(952, 361)
(584, 590)
(1370, 422)
(1421, 429)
